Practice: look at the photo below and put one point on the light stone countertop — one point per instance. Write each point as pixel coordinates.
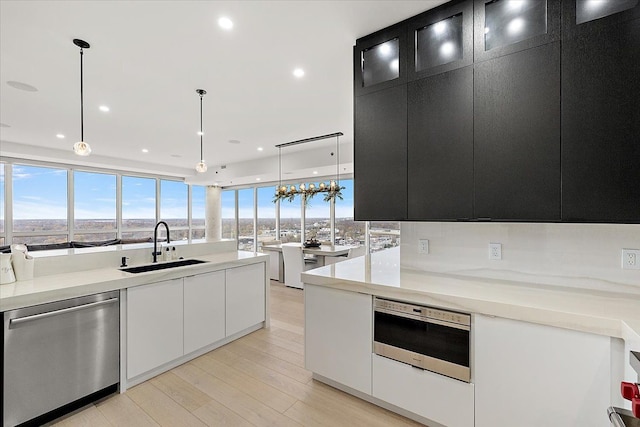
(612, 312)
(58, 287)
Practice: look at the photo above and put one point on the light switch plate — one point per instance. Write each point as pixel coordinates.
(423, 246)
(631, 259)
(495, 251)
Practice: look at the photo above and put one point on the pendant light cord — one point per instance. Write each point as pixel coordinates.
(81, 99)
(201, 134)
(338, 161)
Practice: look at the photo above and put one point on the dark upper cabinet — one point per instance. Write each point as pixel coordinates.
(517, 136)
(601, 112)
(440, 40)
(440, 146)
(380, 60)
(502, 27)
(380, 155)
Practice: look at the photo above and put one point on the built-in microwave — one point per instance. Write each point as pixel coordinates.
(425, 337)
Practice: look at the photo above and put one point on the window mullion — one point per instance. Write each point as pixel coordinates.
(70, 205)
(8, 204)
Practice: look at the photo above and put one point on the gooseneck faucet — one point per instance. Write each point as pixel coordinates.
(155, 239)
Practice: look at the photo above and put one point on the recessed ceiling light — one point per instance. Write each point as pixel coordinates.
(298, 72)
(22, 86)
(234, 141)
(200, 133)
(60, 136)
(144, 150)
(225, 23)
(315, 172)
(260, 149)
(258, 179)
(104, 108)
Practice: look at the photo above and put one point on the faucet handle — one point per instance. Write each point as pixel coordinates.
(124, 261)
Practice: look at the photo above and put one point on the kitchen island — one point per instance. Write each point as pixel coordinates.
(160, 319)
(540, 354)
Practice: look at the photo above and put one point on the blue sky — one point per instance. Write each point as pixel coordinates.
(41, 193)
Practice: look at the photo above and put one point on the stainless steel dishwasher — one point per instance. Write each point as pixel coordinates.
(58, 353)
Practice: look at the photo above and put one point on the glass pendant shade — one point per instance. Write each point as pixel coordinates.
(201, 167)
(82, 148)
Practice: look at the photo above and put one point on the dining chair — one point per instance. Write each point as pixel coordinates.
(357, 251)
(293, 264)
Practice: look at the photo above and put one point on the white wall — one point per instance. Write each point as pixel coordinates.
(582, 255)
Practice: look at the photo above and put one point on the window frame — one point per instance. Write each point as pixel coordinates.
(8, 163)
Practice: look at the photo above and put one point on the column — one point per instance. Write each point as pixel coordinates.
(213, 213)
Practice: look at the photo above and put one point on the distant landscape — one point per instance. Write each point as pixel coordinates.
(348, 231)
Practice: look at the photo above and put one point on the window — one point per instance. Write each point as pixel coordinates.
(94, 210)
(228, 202)
(245, 219)
(174, 208)
(138, 208)
(290, 220)
(266, 214)
(198, 201)
(317, 219)
(348, 231)
(2, 232)
(39, 205)
(383, 235)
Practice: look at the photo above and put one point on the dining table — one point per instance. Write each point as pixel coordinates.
(320, 252)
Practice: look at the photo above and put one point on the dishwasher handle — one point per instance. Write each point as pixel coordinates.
(19, 320)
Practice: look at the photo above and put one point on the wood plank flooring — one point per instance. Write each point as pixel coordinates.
(258, 380)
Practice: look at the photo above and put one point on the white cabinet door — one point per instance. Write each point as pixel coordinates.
(245, 288)
(532, 375)
(154, 325)
(204, 317)
(338, 334)
(433, 396)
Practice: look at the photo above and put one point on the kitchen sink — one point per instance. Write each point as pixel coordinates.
(162, 266)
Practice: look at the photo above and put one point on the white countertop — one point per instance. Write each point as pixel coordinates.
(57, 287)
(612, 312)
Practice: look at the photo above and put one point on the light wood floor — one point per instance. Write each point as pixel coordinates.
(258, 380)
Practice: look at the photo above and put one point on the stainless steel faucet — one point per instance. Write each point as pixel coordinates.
(155, 239)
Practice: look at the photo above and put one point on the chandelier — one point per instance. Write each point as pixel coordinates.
(331, 191)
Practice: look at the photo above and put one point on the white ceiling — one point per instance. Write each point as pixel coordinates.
(148, 57)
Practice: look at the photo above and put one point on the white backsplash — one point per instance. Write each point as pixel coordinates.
(586, 255)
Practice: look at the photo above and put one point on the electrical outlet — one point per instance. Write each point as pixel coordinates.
(423, 246)
(631, 259)
(495, 251)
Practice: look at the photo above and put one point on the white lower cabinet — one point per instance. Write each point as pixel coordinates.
(204, 310)
(154, 325)
(530, 375)
(169, 320)
(436, 397)
(245, 287)
(338, 331)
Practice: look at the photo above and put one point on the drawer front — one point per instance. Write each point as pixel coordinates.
(436, 397)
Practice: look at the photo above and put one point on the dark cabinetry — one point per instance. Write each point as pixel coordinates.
(380, 155)
(440, 146)
(517, 136)
(502, 27)
(601, 116)
(380, 60)
(534, 118)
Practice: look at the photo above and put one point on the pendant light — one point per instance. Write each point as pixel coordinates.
(81, 148)
(202, 166)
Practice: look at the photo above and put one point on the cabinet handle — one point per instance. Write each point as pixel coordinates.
(62, 311)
